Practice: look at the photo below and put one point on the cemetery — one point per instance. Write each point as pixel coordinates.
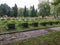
(7, 25)
(30, 22)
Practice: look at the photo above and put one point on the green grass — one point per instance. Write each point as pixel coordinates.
(46, 39)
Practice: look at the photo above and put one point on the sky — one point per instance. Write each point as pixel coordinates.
(21, 3)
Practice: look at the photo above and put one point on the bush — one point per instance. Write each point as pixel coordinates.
(35, 24)
(50, 23)
(24, 25)
(43, 23)
(11, 26)
(56, 22)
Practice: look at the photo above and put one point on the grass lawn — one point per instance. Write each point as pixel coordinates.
(46, 39)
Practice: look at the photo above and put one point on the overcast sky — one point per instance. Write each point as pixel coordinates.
(20, 3)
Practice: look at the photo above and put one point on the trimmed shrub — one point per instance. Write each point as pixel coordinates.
(35, 24)
(56, 22)
(50, 23)
(11, 26)
(43, 23)
(24, 25)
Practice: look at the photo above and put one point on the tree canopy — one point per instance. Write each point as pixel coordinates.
(44, 9)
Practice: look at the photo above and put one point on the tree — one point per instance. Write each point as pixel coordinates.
(20, 12)
(33, 12)
(1, 11)
(36, 13)
(55, 3)
(10, 13)
(58, 10)
(25, 12)
(15, 10)
(4, 9)
(44, 9)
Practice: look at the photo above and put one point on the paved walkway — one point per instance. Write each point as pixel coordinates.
(24, 35)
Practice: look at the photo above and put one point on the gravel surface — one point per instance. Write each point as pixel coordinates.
(24, 35)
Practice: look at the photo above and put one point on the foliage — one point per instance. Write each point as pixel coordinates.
(15, 10)
(25, 12)
(56, 5)
(4, 9)
(25, 25)
(35, 24)
(29, 24)
(44, 9)
(20, 12)
(33, 12)
(11, 26)
(55, 2)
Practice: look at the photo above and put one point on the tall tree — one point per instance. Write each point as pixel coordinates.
(10, 13)
(4, 9)
(33, 12)
(55, 3)
(58, 10)
(44, 9)
(36, 13)
(1, 11)
(25, 12)
(20, 12)
(15, 9)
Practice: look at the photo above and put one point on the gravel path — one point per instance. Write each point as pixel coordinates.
(55, 29)
(24, 35)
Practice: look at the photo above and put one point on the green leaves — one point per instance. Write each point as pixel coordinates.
(55, 2)
(25, 12)
(33, 12)
(44, 9)
(15, 10)
(6, 10)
